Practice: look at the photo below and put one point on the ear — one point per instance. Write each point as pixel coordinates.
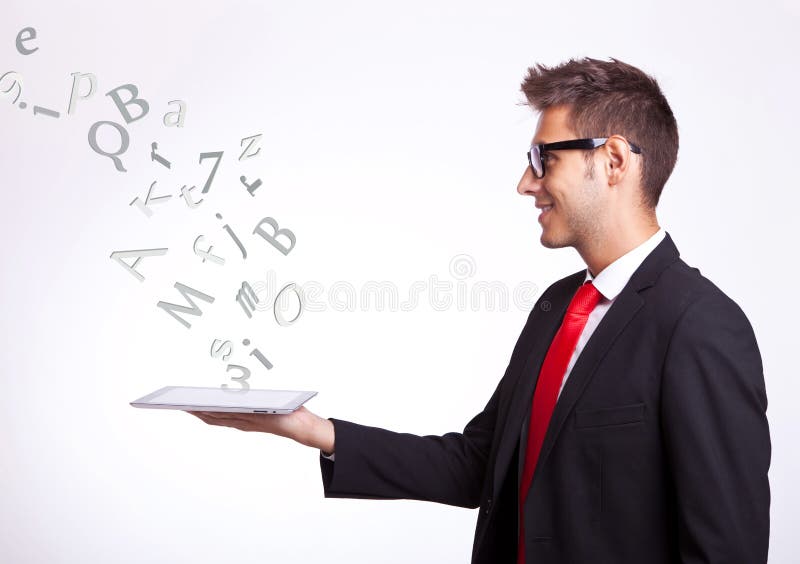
(618, 159)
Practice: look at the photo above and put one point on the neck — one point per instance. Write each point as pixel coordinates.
(599, 252)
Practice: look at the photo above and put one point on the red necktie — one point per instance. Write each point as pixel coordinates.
(548, 385)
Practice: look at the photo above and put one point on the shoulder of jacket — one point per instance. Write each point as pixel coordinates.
(685, 288)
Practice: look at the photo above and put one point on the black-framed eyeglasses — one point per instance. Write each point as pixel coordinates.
(538, 151)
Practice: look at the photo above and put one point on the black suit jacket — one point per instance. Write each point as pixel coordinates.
(657, 451)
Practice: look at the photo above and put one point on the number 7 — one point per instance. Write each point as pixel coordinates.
(215, 155)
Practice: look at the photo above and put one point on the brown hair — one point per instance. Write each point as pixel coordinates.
(612, 98)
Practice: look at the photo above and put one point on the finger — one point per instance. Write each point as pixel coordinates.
(208, 420)
(218, 414)
(218, 422)
(233, 416)
(225, 419)
(230, 419)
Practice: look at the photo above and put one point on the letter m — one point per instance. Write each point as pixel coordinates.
(194, 310)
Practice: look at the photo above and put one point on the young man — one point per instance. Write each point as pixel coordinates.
(630, 425)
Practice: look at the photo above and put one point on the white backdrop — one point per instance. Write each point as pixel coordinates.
(392, 142)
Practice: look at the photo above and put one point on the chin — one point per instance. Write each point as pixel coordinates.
(550, 243)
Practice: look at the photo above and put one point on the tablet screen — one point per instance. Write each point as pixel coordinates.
(251, 399)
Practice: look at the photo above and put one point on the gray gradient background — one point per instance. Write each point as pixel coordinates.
(393, 141)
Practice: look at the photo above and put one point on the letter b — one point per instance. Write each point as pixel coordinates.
(134, 99)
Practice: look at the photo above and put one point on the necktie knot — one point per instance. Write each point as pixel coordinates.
(584, 300)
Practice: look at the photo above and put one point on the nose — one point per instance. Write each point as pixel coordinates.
(528, 184)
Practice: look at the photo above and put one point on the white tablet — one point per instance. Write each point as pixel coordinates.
(188, 398)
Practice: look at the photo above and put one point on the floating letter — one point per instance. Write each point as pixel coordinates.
(172, 119)
(254, 140)
(224, 350)
(250, 187)
(119, 255)
(247, 296)
(134, 99)
(147, 199)
(40, 110)
(272, 239)
(76, 86)
(184, 290)
(234, 237)
(187, 197)
(279, 315)
(30, 33)
(123, 146)
(16, 81)
(207, 253)
(156, 157)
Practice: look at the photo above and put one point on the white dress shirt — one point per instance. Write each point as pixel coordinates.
(609, 282)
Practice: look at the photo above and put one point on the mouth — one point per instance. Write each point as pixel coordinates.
(545, 211)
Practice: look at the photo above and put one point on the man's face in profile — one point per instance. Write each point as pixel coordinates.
(569, 185)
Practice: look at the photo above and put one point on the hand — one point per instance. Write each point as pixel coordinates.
(301, 425)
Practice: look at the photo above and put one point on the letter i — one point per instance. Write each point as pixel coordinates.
(257, 353)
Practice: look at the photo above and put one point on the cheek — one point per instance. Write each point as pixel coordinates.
(557, 191)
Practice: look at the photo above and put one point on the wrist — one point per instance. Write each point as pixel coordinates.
(323, 435)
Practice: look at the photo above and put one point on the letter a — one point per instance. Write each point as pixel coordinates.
(173, 119)
(119, 255)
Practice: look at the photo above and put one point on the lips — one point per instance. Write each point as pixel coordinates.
(545, 211)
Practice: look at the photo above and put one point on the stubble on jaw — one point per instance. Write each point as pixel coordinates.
(584, 220)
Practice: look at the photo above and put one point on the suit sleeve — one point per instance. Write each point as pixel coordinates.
(374, 463)
(716, 434)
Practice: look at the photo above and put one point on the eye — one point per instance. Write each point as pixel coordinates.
(547, 157)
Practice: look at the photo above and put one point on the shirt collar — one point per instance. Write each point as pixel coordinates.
(612, 279)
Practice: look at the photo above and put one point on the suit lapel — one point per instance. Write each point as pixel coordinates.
(547, 320)
(612, 324)
(627, 303)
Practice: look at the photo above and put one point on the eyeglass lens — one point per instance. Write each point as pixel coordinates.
(534, 159)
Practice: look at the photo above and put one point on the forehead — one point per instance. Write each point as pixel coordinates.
(553, 125)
